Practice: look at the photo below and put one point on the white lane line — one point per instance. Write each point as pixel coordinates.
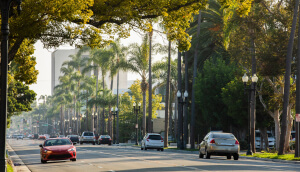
(90, 164)
(100, 167)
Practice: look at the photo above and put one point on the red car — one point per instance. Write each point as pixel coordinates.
(42, 137)
(57, 149)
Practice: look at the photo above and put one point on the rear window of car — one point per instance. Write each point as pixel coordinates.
(155, 137)
(88, 134)
(223, 136)
(105, 137)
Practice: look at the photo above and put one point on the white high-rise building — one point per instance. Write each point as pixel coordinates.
(58, 57)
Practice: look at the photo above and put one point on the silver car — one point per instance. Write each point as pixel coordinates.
(221, 144)
(87, 137)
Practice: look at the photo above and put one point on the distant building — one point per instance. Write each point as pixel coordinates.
(58, 57)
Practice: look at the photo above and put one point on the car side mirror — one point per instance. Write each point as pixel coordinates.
(41, 145)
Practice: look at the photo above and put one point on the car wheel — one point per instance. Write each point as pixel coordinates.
(93, 143)
(207, 155)
(162, 149)
(142, 148)
(201, 155)
(158, 149)
(236, 156)
(228, 156)
(73, 159)
(80, 143)
(43, 161)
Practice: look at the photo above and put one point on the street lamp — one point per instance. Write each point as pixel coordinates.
(249, 89)
(114, 113)
(182, 101)
(5, 5)
(136, 111)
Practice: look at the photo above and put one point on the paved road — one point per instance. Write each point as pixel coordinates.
(94, 158)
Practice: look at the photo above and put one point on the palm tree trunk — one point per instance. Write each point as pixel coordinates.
(150, 85)
(167, 98)
(180, 117)
(193, 117)
(118, 107)
(103, 110)
(185, 129)
(87, 114)
(253, 93)
(287, 81)
(144, 111)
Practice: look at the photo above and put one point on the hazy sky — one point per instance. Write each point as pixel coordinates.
(43, 59)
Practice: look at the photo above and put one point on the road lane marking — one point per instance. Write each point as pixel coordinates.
(100, 167)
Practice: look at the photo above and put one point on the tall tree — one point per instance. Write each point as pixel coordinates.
(282, 147)
(138, 63)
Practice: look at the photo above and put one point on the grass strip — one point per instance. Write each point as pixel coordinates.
(9, 168)
(289, 157)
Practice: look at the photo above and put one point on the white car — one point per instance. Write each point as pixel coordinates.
(152, 141)
(271, 139)
(87, 137)
(20, 136)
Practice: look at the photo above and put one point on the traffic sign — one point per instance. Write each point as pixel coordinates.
(297, 117)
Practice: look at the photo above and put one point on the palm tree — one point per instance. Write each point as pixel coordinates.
(120, 52)
(168, 79)
(100, 59)
(77, 62)
(138, 63)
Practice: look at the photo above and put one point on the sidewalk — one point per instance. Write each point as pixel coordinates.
(18, 164)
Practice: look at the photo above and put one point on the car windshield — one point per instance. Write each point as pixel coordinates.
(105, 137)
(155, 137)
(56, 142)
(88, 134)
(223, 136)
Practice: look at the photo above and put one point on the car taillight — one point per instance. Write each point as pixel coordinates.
(109, 139)
(237, 142)
(100, 139)
(162, 140)
(212, 141)
(148, 139)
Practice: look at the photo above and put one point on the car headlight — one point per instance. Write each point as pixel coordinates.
(45, 151)
(72, 149)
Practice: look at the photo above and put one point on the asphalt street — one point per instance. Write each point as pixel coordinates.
(94, 158)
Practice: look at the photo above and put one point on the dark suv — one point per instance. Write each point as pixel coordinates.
(87, 137)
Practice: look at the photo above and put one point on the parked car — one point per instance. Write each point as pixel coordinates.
(20, 136)
(152, 141)
(271, 139)
(87, 137)
(57, 149)
(293, 135)
(74, 138)
(35, 136)
(220, 144)
(104, 139)
(61, 136)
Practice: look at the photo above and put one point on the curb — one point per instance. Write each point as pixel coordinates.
(18, 164)
(273, 160)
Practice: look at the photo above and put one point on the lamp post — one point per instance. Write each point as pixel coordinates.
(182, 101)
(5, 5)
(249, 89)
(114, 113)
(136, 111)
